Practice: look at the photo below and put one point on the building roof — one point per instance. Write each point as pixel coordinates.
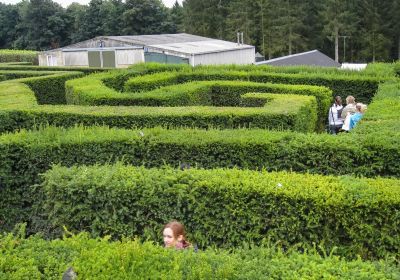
(146, 40)
(200, 47)
(137, 40)
(258, 55)
(181, 44)
(314, 58)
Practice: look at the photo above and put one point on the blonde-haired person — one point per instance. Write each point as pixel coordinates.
(174, 236)
(350, 106)
(347, 112)
(354, 119)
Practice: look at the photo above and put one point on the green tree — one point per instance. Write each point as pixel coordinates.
(146, 17)
(240, 19)
(393, 15)
(8, 20)
(94, 19)
(339, 19)
(112, 11)
(206, 17)
(42, 25)
(290, 23)
(177, 17)
(76, 21)
(375, 45)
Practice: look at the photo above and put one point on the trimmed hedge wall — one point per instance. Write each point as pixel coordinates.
(9, 75)
(24, 155)
(223, 208)
(89, 91)
(18, 56)
(48, 86)
(50, 89)
(362, 87)
(291, 112)
(34, 258)
(86, 70)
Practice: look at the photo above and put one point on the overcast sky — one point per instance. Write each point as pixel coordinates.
(65, 3)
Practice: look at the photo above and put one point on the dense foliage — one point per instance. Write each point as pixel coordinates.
(224, 208)
(353, 31)
(48, 180)
(18, 55)
(35, 258)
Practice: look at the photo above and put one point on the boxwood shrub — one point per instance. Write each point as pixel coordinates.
(19, 67)
(362, 87)
(223, 208)
(24, 155)
(18, 56)
(90, 91)
(293, 112)
(35, 258)
(9, 75)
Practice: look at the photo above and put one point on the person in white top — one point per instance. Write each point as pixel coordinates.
(335, 116)
(347, 112)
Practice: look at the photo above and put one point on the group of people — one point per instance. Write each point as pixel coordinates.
(344, 119)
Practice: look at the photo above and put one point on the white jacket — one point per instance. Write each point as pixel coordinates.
(333, 117)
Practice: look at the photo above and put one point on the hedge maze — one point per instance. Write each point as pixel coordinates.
(237, 153)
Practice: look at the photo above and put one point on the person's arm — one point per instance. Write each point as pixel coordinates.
(330, 115)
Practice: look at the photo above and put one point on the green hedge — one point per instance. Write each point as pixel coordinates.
(382, 117)
(86, 70)
(397, 68)
(13, 74)
(18, 56)
(89, 91)
(372, 149)
(34, 258)
(362, 87)
(24, 155)
(291, 112)
(33, 152)
(50, 89)
(377, 70)
(223, 208)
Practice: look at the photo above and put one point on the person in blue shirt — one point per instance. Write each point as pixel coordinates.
(360, 110)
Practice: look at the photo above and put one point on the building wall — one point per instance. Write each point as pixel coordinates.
(125, 58)
(243, 56)
(79, 58)
(57, 58)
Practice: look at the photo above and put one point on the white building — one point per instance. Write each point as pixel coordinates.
(122, 51)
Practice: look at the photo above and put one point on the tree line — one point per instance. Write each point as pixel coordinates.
(348, 30)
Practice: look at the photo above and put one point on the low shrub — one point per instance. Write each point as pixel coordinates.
(24, 155)
(35, 258)
(19, 67)
(50, 89)
(224, 208)
(10, 75)
(291, 112)
(89, 91)
(361, 87)
(18, 56)
(397, 68)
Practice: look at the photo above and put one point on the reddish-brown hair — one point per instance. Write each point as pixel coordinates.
(177, 230)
